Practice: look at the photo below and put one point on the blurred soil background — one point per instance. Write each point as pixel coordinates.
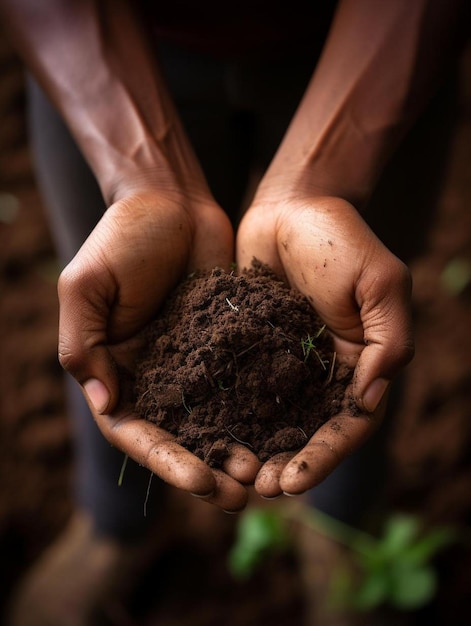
(430, 442)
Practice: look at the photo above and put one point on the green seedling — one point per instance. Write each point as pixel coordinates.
(122, 471)
(395, 569)
(308, 345)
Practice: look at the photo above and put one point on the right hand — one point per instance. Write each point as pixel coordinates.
(143, 245)
(323, 248)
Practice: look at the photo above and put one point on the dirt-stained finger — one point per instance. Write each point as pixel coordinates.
(267, 482)
(326, 449)
(228, 494)
(157, 450)
(242, 464)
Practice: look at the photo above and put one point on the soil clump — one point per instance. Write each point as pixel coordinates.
(239, 358)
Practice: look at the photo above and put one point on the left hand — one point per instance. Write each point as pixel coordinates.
(323, 248)
(116, 283)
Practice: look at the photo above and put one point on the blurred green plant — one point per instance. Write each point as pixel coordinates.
(397, 568)
(394, 569)
(260, 532)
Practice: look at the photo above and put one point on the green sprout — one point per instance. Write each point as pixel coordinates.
(122, 471)
(308, 345)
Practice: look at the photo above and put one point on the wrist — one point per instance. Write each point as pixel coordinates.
(127, 158)
(129, 177)
(341, 166)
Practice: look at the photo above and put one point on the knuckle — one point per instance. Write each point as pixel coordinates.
(68, 280)
(396, 355)
(65, 358)
(395, 278)
(67, 361)
(407, 351)
(401, 276)
(70, 358)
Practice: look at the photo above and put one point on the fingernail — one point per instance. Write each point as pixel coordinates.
(202, 496)
(97, 394)
(374, 393)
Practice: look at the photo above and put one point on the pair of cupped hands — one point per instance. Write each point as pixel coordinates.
(147, 241)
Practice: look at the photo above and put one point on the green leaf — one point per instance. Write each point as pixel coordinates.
(372, 592)
(400, 531)
(399, 534)
(341, 593)
(259, 532)
(413, 588)
(242, 562)
(429, 545)
(260, 528)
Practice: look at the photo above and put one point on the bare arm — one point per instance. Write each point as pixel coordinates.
(93, 59)
(380, 64)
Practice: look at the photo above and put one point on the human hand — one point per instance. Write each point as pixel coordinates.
(323, 248)
(116, 283)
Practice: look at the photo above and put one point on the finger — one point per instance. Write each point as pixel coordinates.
(157, 450)
(229, 495)
(214, 241)
(326, 449)
(256, 238)
(385, 313)
(242, 464)
(83, 334)
(267, 482)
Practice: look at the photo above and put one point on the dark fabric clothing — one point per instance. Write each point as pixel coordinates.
(251, 29)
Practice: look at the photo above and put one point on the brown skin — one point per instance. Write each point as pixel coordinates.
(360, 290)
(374, 76)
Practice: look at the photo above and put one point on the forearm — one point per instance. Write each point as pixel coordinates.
(94, 62)
(380, 64)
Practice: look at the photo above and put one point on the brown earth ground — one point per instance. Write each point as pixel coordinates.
(429, 447)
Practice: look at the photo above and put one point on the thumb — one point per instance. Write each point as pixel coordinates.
(83, 320)
(384, 299)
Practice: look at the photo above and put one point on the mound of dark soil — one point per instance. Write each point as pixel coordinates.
(239, 358)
